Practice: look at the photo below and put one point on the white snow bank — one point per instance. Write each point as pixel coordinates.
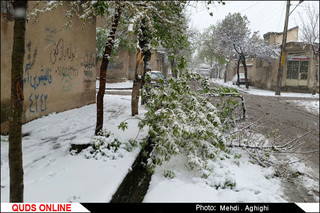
(255, 91)
(253, 183)
(126, 84)
(51, 174)
(310, 106)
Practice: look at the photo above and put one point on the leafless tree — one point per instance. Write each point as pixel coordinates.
(310, 34)
(309, 24)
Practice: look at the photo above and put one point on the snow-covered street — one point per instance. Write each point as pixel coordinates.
(52, 174)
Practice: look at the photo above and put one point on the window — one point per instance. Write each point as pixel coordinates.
(292, 69)
(303, 69)
(297, 69)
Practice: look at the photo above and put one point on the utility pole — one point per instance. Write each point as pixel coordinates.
(283, 52)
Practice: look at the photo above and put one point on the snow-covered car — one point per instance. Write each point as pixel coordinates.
(241, 79)
(156, 77)
(204, 72)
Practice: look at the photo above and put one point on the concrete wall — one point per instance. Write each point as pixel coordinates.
(263, 74)
(122, 66)
(276, 38)
(159, 62)
(59, 66)
(297, 48)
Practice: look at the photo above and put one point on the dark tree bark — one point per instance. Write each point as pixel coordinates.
(225, 73)
(104, 66)
(136, 85)
(243, 60)
(238, 75)
(144, 43)
(15, 120)
(139, 82)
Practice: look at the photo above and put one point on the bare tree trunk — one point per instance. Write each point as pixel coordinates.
(136, 85)
(316, 74)
(144, 43)
(245, 70)
(15, 120)
(104, 66)
(225, 72)
(238, 75)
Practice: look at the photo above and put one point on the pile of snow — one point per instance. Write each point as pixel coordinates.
(303, 176)
(255, 91)
(52, 174)
(126, 84)
(253, 183)
(310, 106)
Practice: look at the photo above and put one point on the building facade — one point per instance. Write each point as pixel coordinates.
(300, 69)
(59, 65)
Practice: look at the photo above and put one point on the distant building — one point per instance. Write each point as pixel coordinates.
(122, 66)
(301, 65)
(276, 38)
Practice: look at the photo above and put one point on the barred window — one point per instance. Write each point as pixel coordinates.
(297, 70)
(292, 69)
(304, 70)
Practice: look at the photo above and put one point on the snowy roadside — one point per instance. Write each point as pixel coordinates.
(53, 175)
(253, 183)
(311, 106)
(126, 84)
(255, 91)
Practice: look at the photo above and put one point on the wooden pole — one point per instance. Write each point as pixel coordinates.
(283, 51)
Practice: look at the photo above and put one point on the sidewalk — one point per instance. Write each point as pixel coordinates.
(121, 88)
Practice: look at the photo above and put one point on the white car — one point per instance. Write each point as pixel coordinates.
(241, 79)
(155, 77)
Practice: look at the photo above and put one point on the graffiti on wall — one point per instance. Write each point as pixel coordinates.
(50, 33)
(38, 102)
(36, 78)
(66, 73)
(88, 62)
(62, 52)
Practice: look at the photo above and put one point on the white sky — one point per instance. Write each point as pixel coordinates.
(264, 16)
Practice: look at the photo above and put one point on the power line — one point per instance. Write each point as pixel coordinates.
(284, 7)
(250, 6)
(269, 16)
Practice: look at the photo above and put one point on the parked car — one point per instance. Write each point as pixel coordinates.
(204, 72)
(241, 79)
(156, 77)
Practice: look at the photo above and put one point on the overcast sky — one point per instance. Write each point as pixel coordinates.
(264, 16)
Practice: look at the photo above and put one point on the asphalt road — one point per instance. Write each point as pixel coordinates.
(290, 121)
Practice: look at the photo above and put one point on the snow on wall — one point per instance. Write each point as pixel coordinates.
(59, 65)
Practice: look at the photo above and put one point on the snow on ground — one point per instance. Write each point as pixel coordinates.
(53, 175)
(310, 106)
(126, 84)
(255, 91)
(303, 176)
(253, 183)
